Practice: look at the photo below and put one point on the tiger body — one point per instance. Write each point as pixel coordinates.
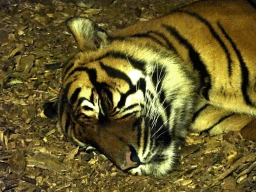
(219, 37)
(134, 94)
(199, 38)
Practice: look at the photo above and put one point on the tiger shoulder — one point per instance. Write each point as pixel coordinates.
(215, 39)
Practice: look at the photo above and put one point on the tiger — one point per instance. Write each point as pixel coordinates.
(134, 94)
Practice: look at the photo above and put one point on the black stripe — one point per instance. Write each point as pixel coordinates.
(68, 68)
(83, 116)
(78, 69)
(163, 137)
(112, 72)
(70, 65)
(170, 45)
(140, 35)
(74, 96)
(141, 85)
(86, 108)
(214, 34)
(181, 121)
(196, 60)
(138, 64)
(130, 107)
(252, 3)
(162, 36)
(128, 115)
(64, 100)
(115, 73)
(123, 98)
(106, 100)
(220, 121)
(67, 123)
(197, 113)
(151, 96)
(114, 113)
(78, 132)
(92, 73)
(92, 96)
(146, 135)
(137, 126)
(158, 77)
(158, 158)
(152, 141)
(245, 73)
(81, 99)
(229, 59)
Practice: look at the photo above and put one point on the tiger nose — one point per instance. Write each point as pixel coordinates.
(132, 159)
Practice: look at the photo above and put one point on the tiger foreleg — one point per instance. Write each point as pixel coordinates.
(216, 121)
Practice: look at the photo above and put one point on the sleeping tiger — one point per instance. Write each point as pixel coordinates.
(134, 94)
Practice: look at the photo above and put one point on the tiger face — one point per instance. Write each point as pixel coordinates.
(134, 94)
(112, 99)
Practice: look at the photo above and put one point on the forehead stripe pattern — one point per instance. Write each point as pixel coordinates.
(137, 64)
(112, 72)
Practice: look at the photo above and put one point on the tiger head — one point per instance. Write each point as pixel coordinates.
(113, 99)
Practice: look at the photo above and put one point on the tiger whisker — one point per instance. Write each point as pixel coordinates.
(159, 129)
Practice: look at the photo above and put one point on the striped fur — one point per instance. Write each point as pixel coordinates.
(134, 94)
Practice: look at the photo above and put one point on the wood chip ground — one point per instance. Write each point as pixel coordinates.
(35, 157)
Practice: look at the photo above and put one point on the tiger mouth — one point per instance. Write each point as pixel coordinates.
(159, 164)
(157, 157)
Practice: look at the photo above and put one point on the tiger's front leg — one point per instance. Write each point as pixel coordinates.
(215, 120)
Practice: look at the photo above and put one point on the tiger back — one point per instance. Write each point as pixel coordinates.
(135, 93)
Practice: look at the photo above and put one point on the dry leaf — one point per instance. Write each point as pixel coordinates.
(71, 154)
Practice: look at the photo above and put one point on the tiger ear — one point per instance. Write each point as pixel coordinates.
(87, 34)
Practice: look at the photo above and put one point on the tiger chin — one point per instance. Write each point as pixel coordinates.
(134, 94)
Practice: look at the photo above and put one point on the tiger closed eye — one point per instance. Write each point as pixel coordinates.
(136, 93)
